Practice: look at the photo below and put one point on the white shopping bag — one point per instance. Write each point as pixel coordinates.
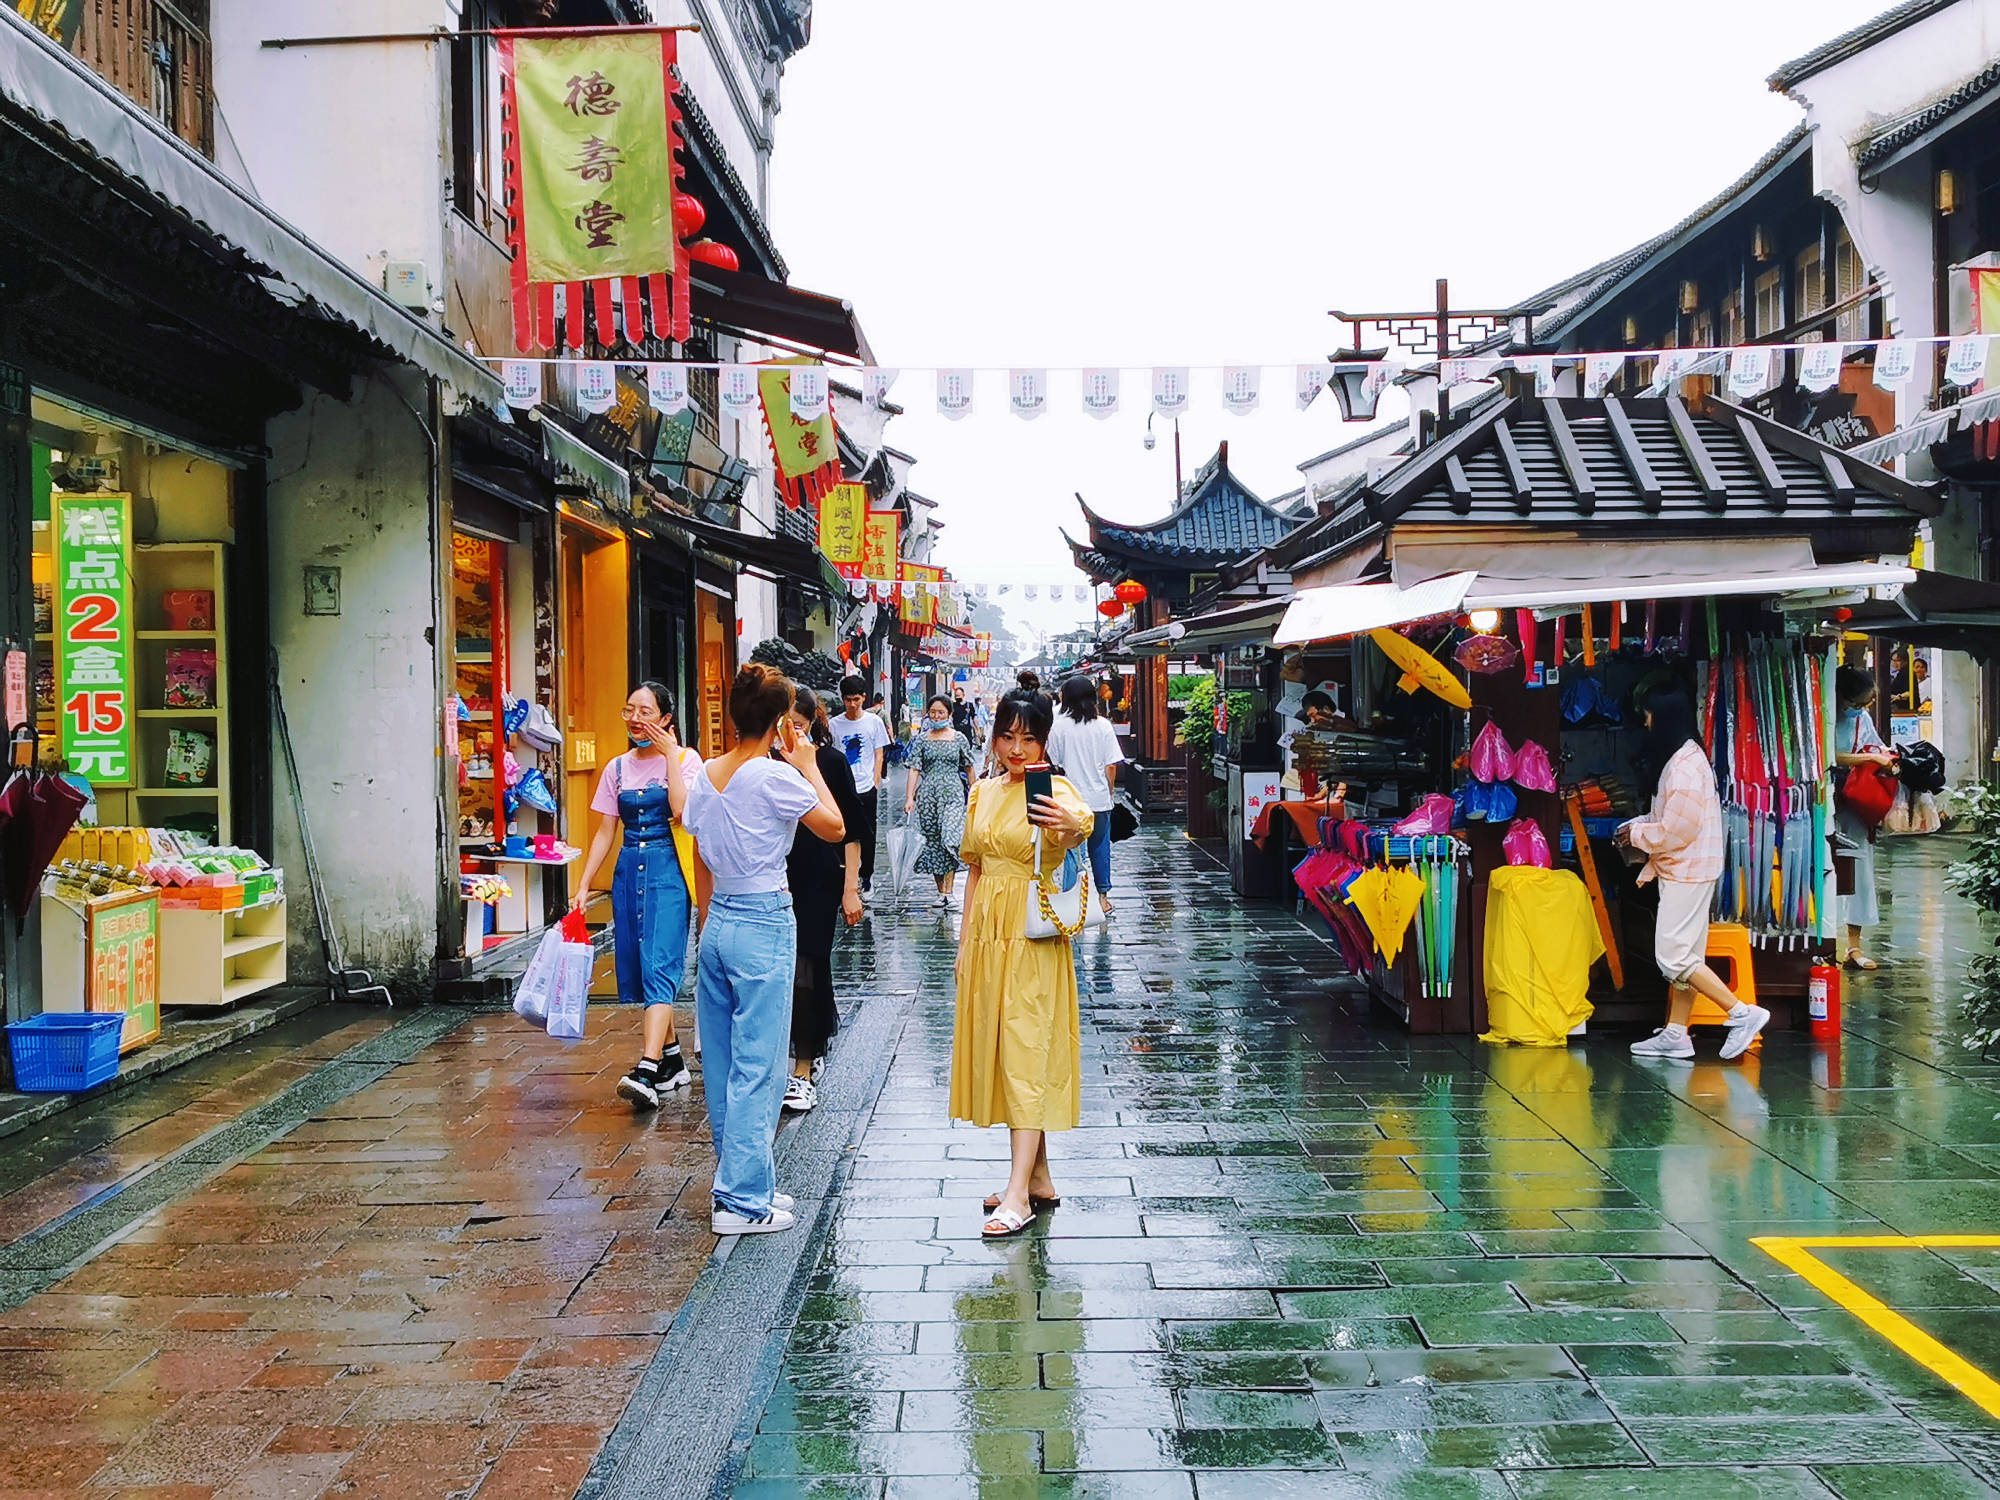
(570, 1002)
(538, 981)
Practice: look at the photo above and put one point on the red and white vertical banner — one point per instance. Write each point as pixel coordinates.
(1819, 366)
(1100, 392)
(1241, 388)
(1308, 382)
(954, 394)
(1027, 393)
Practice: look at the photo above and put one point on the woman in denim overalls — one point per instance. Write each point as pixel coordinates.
(657, 881)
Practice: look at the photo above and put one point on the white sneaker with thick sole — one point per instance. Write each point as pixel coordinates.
(724, 1221)
(1660, 1044)
(800, 1095)
(1743, 1031)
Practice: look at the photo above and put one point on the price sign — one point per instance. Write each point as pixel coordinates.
(93, 605)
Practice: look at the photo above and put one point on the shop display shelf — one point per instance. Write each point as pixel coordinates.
(211, 958)
(178, 713)
(522, 859)
(173, 635)
(174, 791)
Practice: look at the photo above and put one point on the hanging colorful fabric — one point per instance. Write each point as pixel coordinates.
(591, 172)
(806, 454)
(1589, 638)
(1526, 626)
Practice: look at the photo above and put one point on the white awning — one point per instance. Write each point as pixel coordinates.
(1834, 578)
(1548, 572)
(1344, 609)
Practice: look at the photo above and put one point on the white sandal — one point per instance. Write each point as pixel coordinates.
(1010, 1224)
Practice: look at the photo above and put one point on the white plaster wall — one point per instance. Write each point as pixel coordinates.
(345, 142)
(709, 62)
(349, 487)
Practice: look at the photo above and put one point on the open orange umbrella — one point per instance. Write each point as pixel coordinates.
(1420, 668)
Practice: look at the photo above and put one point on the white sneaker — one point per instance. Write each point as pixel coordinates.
(724, 1221)
(1660, 1044)
(1743, 1030)
(818, 1067)
(800, 1095)
(782, 1200)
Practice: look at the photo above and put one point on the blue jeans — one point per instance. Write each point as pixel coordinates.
(743, 999)
(649, 925)
(1099, 850)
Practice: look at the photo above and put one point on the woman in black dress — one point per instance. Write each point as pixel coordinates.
(826, 884)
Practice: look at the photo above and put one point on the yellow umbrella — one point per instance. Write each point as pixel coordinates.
(1420, 668)
(1387, 899)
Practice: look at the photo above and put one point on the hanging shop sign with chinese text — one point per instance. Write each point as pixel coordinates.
(880, 541)
(842, 515)
(93, 552)
(590, 163)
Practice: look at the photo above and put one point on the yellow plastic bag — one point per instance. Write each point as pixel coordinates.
(1541, 940)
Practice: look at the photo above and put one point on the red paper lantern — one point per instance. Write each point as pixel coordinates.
(1843, 615)
(1131, 591)
(689, 215)
(711, 254)
(1110, 609)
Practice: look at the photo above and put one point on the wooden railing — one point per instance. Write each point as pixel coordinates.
(157, 54)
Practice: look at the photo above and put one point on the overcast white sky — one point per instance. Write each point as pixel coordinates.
(1139, 182)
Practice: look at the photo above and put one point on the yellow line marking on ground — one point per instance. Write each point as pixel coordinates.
(1795, 1254)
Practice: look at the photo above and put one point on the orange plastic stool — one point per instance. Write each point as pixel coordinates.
(1728, 943)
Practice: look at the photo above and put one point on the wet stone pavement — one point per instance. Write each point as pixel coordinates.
(1299, 1253)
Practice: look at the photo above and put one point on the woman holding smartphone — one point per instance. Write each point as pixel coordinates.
(657, 882)
(1015, 1048)
(743, 808)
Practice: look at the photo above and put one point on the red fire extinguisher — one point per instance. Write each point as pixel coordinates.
(1823, 1002)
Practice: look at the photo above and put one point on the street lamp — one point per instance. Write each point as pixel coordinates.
(1350, 385)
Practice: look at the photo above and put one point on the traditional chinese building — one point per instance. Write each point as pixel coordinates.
(1217, 521)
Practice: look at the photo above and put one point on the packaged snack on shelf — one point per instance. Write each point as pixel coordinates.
(188, 609)
(190, 677)
(190, 758)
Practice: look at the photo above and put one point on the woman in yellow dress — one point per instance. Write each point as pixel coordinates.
(1014, 1053)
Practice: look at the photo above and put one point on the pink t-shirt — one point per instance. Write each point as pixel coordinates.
(627, 773)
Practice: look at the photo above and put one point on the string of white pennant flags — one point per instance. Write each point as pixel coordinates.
(931, 588)
(1746, 370)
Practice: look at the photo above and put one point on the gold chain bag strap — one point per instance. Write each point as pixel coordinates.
(1058, 915)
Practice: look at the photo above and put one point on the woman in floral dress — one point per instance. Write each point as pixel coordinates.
(939, 759)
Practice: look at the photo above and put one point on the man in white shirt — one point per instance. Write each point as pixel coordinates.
(864, 740)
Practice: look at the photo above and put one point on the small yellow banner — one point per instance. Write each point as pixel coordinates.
(842, 515)
(880, 539)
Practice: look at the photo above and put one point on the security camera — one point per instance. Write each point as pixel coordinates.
(1149, 440)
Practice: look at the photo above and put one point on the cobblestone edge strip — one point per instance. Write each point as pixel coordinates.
(44, 1256)
(684, 1435)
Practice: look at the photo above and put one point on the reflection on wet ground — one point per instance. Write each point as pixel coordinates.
(1300, 1253)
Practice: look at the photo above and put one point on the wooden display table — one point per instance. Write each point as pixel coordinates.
(211, 958)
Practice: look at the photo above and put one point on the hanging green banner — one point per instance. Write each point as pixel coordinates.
(93, 619)
(595, 154)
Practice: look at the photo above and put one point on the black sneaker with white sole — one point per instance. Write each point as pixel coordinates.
(642, 1085)
(674, 1072)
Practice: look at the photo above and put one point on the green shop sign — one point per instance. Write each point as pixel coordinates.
(93, 551)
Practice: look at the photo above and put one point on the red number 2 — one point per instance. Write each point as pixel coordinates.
(94, 618)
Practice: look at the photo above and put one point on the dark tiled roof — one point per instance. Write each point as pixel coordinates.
(1899, 133)
(712, 157)
(1561, 306)
(1860, 39)
(1218, 519)
(1652, 461)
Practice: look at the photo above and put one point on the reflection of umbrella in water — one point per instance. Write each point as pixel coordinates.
(36, 815)
(1420, 668)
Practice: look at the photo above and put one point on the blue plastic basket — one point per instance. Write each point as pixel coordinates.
(60, 1054)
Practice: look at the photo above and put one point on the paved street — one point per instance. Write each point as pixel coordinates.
(429, 1254)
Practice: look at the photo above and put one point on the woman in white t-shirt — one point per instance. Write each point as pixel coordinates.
(1085, 746)
(743, 808)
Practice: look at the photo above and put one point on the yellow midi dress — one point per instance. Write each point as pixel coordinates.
(1014, 1054)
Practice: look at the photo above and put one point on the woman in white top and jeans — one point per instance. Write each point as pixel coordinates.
(1085, 745)
(742, 810)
